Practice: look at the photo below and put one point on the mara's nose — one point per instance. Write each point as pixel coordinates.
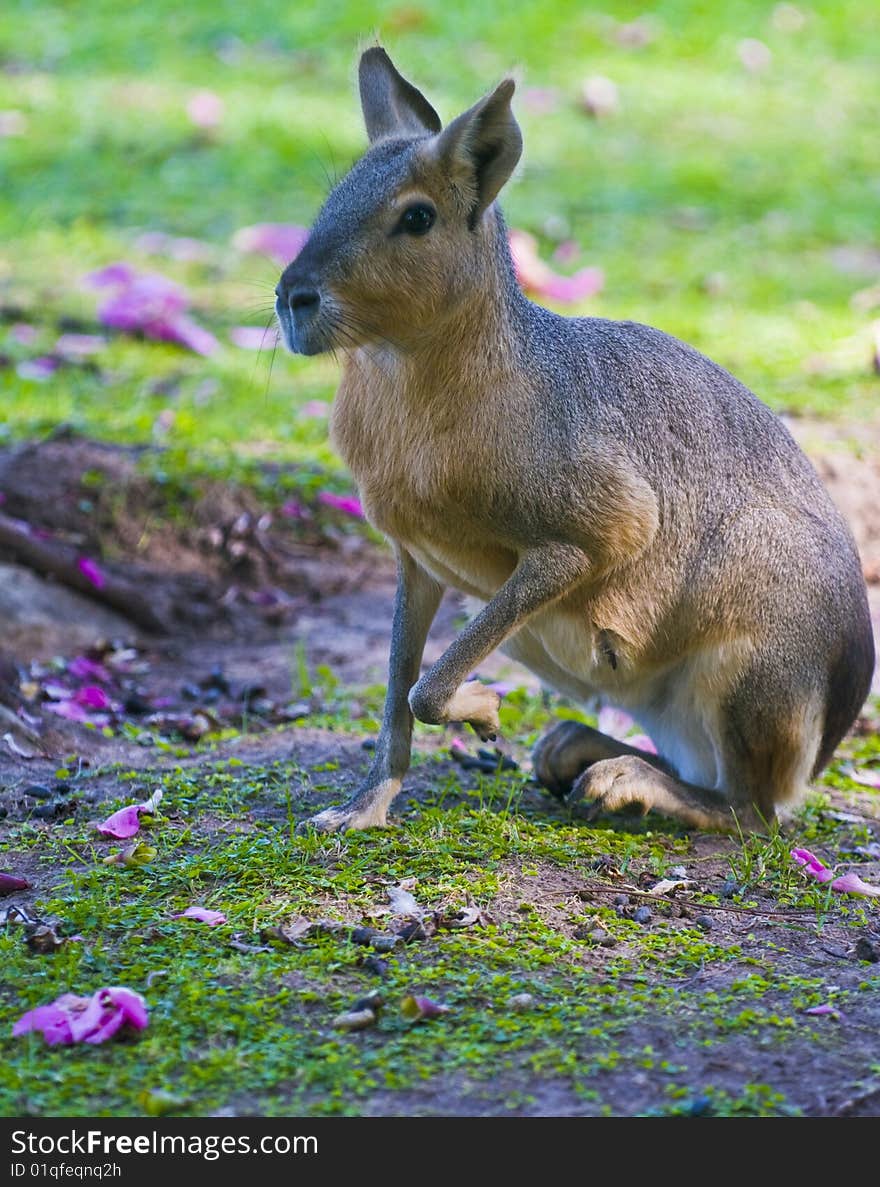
(303, 300)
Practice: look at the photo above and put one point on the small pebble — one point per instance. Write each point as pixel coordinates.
(621, 900)
(865, 950)
(521, 1001)
(642, 915)
(49, 810)
(374, 1001)
(706, 922)
(375, 964)
(730, 888)
(38, 790)
(596, 935)
(368, 744)
(354, 1020)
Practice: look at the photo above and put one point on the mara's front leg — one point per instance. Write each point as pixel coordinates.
(416, 602)
(542, 576)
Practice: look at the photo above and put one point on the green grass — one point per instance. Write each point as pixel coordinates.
(253, 1031)
(713, 199)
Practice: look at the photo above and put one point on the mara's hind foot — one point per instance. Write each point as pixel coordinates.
(569, 748)
(617, 783)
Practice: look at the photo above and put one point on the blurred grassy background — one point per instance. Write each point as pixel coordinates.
(731, 199)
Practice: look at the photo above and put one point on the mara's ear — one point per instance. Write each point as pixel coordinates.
(480, 149)
(391, 105)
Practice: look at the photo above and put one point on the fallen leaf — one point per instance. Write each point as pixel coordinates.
(867, 778)
(42, 938)
(666, 885)
(416, 1008)
(17, 749)
(9, 884)
(156, 1102)
(299, 928)
(202, 915)
(136, 854)
(403, 903)
(109, 1012)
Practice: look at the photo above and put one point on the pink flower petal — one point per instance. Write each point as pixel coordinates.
(540, 100)
(315, 409)
(853, 884)
(537, 277)
(23, 333)
(503, 687)
(206, 109)
(567, 252)
(293, 509)
(113, 274)
(38, 370)
(122, 824)
(203, 915)
(92, 697)
(570, 289)
(51, 1021)
(823, 1009)
(253, 337)
(9, 884)
(69, 710)
(185, 332)
(12, 123)
(79, 345)
(347, 503)
(74, 1019)
(812, 865)
(91, 571)
(126, 822)
(642, 742)
(83, 668)
(614, 722)
(282, 241)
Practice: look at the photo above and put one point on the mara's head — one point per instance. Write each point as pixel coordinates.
(409, 232)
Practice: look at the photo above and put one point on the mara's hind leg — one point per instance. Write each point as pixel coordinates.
(615, 783)
(569, 748)
(766, 741)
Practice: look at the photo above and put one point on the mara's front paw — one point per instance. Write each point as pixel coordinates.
(476, 704)
(368, 809)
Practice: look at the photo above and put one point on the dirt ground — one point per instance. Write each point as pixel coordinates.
(247, 603)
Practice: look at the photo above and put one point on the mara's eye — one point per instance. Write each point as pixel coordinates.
(417, 219)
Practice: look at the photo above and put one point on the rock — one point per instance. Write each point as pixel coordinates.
(521, 1002)
(643, 915)
(42, 619)
(705, 922)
